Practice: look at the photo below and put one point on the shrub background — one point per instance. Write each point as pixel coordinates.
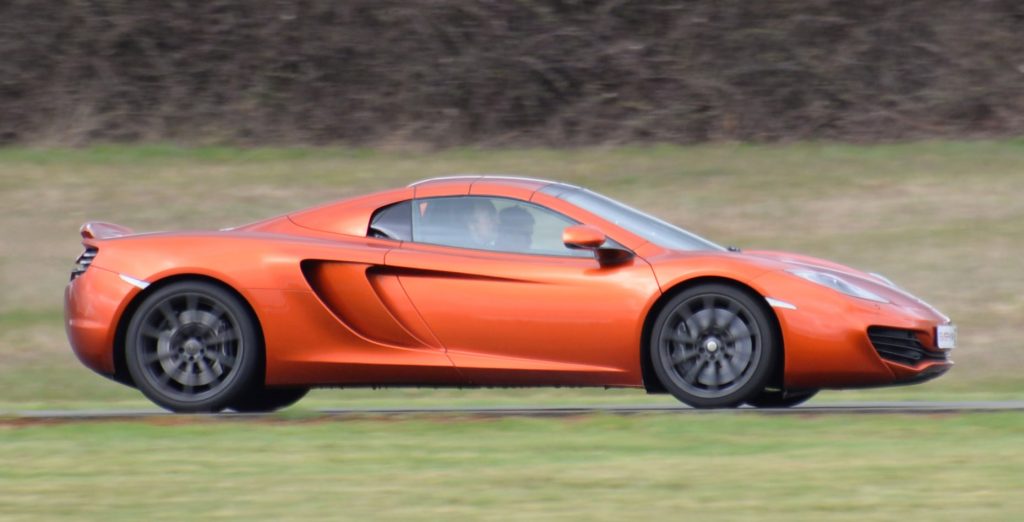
(521, 72)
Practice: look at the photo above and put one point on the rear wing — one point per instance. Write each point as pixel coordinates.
(101, 230)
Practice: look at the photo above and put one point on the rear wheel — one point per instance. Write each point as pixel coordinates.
(713, 346)
(193, 346)
(781, 398)
(268, 399)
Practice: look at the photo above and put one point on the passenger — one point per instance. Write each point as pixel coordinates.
(515, 229)
(482, 223)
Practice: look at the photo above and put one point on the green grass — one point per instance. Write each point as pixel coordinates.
(943, 219)
(662, 467)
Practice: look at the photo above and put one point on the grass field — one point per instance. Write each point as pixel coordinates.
(943, 219)
(693, 467)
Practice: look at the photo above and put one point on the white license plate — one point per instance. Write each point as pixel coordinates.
(945, 336)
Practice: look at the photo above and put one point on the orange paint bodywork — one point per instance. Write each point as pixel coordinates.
(338, 308)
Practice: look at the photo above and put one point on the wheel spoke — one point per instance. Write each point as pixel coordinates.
(180, 374)
(681, 355)
(169, 315)
(733, 307)
(681, 336)
(725, 317)
(681, 313)
(192, 302)
(209, 319)
(715, 380)
(706, 320)
(157, 357)
(164, 378)
(225, 336)
(206, 373)
(741, 337)
(708, 302)
(692, 325)
(694, 371)
(225, 360)
(151, 332)
(732, 368)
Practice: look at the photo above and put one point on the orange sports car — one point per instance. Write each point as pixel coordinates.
(483, 281)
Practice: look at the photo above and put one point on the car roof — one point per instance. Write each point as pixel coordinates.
(518, 181)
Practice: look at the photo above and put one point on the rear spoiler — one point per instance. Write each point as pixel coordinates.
(101, 230)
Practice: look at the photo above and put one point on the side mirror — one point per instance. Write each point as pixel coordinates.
(587, 237)
(582, 237)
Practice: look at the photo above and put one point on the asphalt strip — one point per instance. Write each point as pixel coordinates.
(898, 408)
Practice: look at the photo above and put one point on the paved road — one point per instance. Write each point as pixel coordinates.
(903, 408)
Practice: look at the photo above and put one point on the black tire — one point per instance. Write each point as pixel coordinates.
(193, 346)
(781, 398)
(713, 346)
(268, 399)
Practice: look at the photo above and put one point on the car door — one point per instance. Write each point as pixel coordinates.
(511, 304)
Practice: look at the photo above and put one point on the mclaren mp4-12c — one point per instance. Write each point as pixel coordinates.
(483, 281)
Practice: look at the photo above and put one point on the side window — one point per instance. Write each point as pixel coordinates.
(491, 223)
(392, 222)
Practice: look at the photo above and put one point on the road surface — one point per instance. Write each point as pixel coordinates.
(844, 408)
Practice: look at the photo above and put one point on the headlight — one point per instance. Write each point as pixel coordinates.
(884, 279)
(838, 284)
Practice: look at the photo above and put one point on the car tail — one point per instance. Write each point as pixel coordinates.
(92, 232)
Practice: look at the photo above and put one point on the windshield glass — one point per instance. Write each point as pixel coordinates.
(648, 227)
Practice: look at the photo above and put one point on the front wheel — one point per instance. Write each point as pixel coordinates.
(713, 346)
(781, 398)
(193, 346)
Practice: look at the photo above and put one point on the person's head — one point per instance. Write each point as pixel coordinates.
(483, 221)
(515, 229)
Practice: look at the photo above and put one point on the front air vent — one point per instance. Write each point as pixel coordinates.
(901, 346)
(83, 262)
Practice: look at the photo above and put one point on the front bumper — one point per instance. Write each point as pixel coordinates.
(826, 341)
(93, 304)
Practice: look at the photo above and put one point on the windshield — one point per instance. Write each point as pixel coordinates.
(648, 227)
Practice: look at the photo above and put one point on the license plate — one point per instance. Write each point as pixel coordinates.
(945, 337)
